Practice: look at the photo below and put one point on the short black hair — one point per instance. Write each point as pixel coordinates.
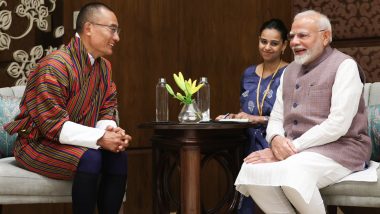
(278, 25)
(87, 12)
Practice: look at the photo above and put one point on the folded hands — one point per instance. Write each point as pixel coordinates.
(114, 139)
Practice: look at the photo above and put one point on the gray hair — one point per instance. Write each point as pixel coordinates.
(323, 20)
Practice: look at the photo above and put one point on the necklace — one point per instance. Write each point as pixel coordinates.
(260, 105)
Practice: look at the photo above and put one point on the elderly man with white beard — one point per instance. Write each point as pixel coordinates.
(317, 129)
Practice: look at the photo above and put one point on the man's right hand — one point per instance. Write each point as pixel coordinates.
(114, 141)
(282, 147)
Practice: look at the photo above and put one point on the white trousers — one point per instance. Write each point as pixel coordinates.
(294, 188)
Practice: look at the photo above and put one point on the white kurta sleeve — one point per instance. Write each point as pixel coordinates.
(276, 119)
(346, 93)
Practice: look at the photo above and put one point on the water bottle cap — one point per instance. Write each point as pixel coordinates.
(162, 80)
(203, 79)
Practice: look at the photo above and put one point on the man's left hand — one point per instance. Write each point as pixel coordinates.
(282, 147)
(261, 156)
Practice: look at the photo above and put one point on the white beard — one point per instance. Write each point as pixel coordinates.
(309, 55)
(302, 59)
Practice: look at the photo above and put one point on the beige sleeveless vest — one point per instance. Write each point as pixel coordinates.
(307, 94)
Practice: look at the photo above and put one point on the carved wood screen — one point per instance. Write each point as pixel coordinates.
(356, 29)
(29, 29)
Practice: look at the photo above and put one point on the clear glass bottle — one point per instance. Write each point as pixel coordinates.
(203, 99)
(162, 110)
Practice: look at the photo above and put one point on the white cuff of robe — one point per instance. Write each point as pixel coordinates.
(102, 124)
(79, 135)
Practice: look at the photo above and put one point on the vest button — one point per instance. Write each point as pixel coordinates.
(295, 105)
(295, 122)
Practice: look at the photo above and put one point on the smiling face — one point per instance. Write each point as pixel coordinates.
(100, 33)
(307, 39)
(271, 45)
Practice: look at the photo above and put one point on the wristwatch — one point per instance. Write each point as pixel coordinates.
(266, 118)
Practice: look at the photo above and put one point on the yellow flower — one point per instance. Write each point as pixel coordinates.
(187, 86)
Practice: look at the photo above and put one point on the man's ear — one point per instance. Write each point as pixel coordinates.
(326, 37)
(87, 28)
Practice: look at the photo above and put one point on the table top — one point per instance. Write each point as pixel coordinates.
(201, 125)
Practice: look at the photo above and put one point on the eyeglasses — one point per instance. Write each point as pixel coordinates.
(272, 43)
(301, 35)
(112, 28)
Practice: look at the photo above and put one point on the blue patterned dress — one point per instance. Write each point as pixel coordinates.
(248, 104)
(249, 83)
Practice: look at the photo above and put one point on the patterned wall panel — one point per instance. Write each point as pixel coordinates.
(28, 31)
(350, 18)
(368, 58)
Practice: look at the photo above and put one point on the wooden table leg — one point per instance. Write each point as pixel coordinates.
(156, 178)
(190, 180)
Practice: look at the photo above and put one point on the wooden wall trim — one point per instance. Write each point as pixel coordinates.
(363, 42)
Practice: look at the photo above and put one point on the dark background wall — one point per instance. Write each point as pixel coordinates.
(212, 38)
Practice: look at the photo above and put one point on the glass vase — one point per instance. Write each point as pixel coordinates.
(190, 113)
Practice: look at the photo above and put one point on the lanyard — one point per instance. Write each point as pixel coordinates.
(260, 105)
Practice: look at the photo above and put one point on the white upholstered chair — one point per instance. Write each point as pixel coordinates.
(354, 193)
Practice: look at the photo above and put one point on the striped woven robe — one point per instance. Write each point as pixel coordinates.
(64, 86)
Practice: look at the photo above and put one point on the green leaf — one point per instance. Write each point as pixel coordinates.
(169, 89)
(180, 97)
(188, 88)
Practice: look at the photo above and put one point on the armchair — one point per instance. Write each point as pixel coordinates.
(354, 193)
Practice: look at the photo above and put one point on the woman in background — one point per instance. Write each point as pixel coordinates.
(259, 84)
